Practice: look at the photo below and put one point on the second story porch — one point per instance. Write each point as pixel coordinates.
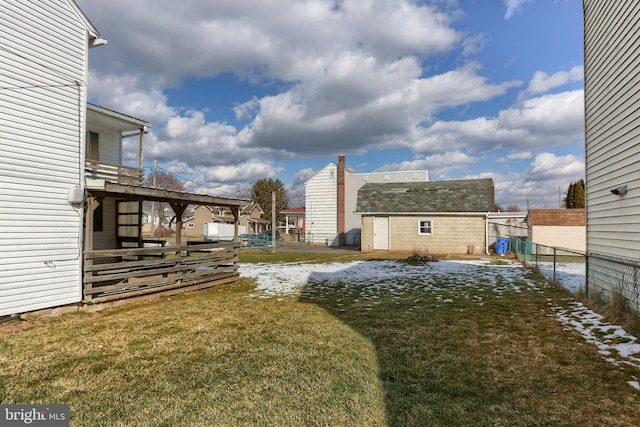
(109, 135)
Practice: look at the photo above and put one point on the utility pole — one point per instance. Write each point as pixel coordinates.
(153, 204)
(273, 221)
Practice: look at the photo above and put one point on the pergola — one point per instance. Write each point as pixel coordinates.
(115, 273)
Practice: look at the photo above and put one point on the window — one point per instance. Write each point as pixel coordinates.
(425, 227)
(93, 146)
(191, 225)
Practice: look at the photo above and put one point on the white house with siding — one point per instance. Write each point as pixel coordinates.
(331, 207)
(612, 139)
(43, 75)
(612, 148)
(321, 205)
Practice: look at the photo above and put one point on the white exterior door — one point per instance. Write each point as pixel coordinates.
(381, 233)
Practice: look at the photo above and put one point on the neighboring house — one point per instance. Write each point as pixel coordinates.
(612, 118)
(612, 148)
(61, 167)
(560, 228)
(435, 217)
(295, 219)
(249, 217)
(330, 201)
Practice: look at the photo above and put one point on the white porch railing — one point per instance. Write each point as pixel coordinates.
(113, 173)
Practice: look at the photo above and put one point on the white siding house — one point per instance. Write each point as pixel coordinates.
(321, 204)
(612, 117)
(43, 74)
(322, 201)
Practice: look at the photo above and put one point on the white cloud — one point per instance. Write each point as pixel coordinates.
(285, 40)
(521, 155)
(532, 124)
(546, 165)
(543, 82)
(513, 7)
(436, 164)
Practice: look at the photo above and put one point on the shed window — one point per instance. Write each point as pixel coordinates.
(425, 227)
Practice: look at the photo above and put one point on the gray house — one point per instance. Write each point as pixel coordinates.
(435, 217)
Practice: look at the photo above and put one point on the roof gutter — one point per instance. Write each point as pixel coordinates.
(483, 214)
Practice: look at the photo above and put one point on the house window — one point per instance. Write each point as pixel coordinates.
(425, 227)
(93, 146)
(191, 225)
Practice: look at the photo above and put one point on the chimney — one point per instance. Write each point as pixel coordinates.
(341, 219)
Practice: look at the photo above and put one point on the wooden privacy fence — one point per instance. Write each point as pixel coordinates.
(122, 273)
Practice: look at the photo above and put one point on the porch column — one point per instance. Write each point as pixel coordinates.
(141, 150)
(179, 209)
(236, 214)
(92, 204)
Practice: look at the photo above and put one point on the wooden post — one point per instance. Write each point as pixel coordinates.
(92, 203)
(179, 209)
(236, 218)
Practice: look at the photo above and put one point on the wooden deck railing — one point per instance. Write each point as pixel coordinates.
(113, 173)
(122, 273)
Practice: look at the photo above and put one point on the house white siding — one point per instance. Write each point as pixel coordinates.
(612, 96)
(42, 101)
(321, 205)
(109, 144)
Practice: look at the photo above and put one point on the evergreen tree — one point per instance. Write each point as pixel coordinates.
(261, 193)
(575, 198)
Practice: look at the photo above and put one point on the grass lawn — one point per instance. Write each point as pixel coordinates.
(327, 357)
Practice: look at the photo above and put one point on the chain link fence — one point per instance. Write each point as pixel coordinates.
(592, 275)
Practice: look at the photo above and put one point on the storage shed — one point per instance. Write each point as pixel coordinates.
(560, 228)
(435, 217)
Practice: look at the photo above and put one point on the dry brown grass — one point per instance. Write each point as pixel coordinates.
(330, 357)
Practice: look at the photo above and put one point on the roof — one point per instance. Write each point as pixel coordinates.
(94, 35)
(561, 217)
(456, 196)
(111, 119)
(129, 192)
(293, 211)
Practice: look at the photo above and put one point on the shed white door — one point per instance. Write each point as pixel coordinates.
(381, 233)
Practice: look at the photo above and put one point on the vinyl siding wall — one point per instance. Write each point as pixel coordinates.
(612, 96)
(321, 205)
(42, 101)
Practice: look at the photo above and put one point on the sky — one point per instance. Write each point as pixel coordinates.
(371, 282)
(239, 91)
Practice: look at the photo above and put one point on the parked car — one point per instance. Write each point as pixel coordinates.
(250, 240)
(268, 234)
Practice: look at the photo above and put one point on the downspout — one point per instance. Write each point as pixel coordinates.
(486, 234)
(341, 195)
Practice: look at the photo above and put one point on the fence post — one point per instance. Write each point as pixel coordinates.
(586, 275)
(554, 263)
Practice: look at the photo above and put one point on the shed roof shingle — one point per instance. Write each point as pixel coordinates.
(468, 195)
